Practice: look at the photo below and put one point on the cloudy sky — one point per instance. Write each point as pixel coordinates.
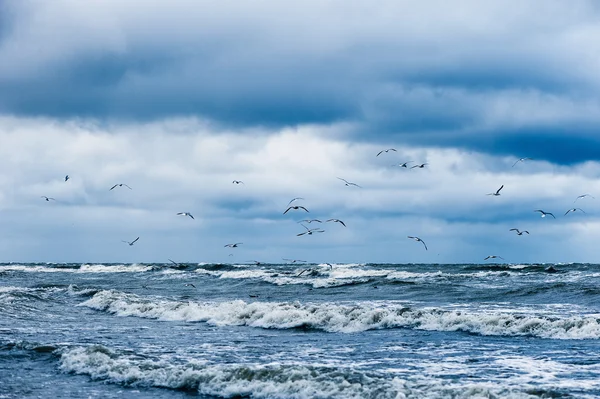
(178, 99)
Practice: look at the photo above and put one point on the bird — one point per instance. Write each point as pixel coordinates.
(189, 285)
(519, 233)
(403, 165)
(237, 182)
(67, 177)
(497, 193)
(337, 221)
(310, 231)
(419, 240)
(294, 260)
(583, 196)
(420, 166)
(120, 185)
(132, 242)
(185, 214)
(545, 213)
(233, 245)
(382, 151)
(295, 207)
(574, 209)
(493, 257)
(522, 160)
(349, 183)
(310, 221)
(47, 198)
(294, 199)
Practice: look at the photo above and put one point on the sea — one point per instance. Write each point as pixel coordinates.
(299, 330)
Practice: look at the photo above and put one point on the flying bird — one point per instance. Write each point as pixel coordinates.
(419, 240)
(545, 213)
(519, 233)
(310, 221)
(574, 209)
(132, 242)
(310, 231)
(337, 221)
(185, 214)
(583, 196)
(120, 185)
(493, 257)
(295, 207)
(382, 151)
(233, 245)
(349, 183)
(403, 165)
(237, 182)
(294, 260)
(522, 160)
(497, 193)
(47, 198)
(294, 199)
(420, 166)
(67, 177)
(189, 285)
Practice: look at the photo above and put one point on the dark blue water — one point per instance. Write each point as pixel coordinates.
(267, 331)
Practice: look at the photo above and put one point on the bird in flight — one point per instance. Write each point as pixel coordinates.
(233, 245)
(574, 209)
(420, 166)
(419, 240)
(310, 231)
(294, 260)
(47, 198)
(519, 233)
(237, 182)
(189, 285)
(294, 199)
(310, 221)
(295, 207)
(493, 257)
(337, 221)
(120, 185)
(185, 214)
(497, 193)
(403, 165)
(583, 196)
(382, 151)
(545, 213)
(67, 177)
(522, 160)
(132, 242)
(349, 183)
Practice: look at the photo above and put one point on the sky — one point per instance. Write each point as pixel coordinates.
(178, 99)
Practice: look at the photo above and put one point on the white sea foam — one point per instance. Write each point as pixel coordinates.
(85, 268)
(347, 318)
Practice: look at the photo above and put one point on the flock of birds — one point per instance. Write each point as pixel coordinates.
(293, 207)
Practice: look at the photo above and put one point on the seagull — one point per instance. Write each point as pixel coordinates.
(295, 207)
(120, 185)
(233, 245)
(310, 231)
(47, 198)
(583, 196)
(418, 239)
(574, 209)
(522, 160)
(545, 213)
(237, 182)
(497, 193)
(348, 183)
(382, 151)
(420, 166)
(132, 242)
(294, 260)
(185, 214)
(403, 165)
(189, 285)
(67, 177)
(310, 221)
(519, 233)
(294, 199)
(493, 257)
(337, 221)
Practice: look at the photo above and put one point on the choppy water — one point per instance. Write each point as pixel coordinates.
(264, 331)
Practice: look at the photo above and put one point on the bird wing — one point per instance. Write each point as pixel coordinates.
(113, 187)
(190, 215)
(344, 180)
(286, 211)
(379, 153)
(134, 241)
(424, 244)
(548, 213)
(517, 230)
(501, 187)
(304, 208)
(127, 186)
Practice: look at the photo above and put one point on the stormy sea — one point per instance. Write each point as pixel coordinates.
(299, 330)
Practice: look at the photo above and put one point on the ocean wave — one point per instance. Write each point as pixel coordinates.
(85, 268)
(347, 318)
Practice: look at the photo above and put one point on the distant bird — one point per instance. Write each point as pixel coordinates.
(47, 198)
(189, 285)
(419, 240)
(337, 221)
(583, 196)
(545, 213)
(120, 185)
(310, 221)
(382, 151)
(67, 177)
(132, 242)
(403, 165)
(185, 214)
(493, 257)
(349, 183)
(295, 207)
(522, 160)
(233, 245)
(294, 199)
(294, 260)
(310, 231)
(420, 166)
(497, 193)
(573, 210)
(237, 182)
(519, 233)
